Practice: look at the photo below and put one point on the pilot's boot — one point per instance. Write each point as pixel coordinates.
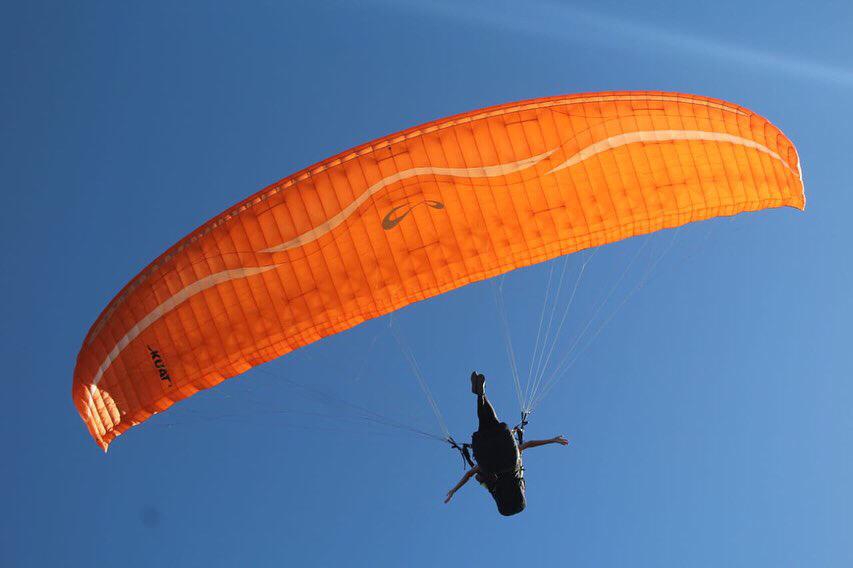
(478, 384)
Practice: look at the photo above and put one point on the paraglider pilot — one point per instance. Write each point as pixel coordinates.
(498, 455)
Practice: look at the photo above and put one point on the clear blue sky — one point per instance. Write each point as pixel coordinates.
(710, 421)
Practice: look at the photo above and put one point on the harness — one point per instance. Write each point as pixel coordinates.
(465, 449)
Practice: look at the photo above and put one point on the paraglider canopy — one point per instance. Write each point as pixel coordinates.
(410, 216)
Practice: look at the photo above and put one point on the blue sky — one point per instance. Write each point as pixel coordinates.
(709, 421)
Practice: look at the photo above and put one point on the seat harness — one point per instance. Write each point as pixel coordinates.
(465, 449)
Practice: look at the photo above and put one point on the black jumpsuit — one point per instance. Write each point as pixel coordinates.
(499, 458)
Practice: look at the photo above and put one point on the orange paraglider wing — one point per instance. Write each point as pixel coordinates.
(413, 215)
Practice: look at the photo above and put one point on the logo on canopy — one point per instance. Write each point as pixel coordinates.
(391, 220)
